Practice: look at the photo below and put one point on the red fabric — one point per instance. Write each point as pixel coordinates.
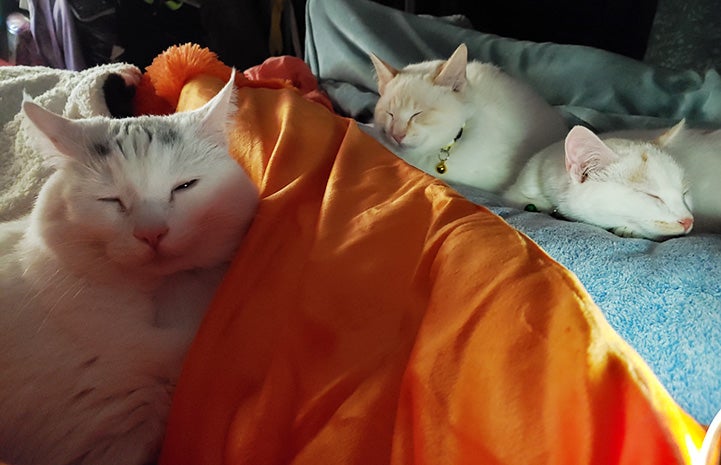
(296, 71)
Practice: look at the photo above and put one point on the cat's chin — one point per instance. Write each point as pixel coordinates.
(413, 150)
(419, 149)
(163, 263)
(157, 264)
(666, 231)
(407, 146)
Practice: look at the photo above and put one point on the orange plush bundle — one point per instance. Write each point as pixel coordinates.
(162, 84)
(374, 316)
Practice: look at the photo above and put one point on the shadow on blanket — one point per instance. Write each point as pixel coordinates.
(373, 315)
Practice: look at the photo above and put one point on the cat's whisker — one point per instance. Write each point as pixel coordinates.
(57, 303)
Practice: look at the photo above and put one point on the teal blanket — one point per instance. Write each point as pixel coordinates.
(663, 298)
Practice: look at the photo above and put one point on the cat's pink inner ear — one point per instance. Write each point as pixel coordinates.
(453, 71)
(664, 139)
(54, 131)
(384, 72)
(585, 153)
(219, 110)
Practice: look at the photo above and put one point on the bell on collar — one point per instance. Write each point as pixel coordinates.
(441, 167)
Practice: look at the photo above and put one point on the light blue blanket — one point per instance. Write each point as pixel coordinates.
(663, 298)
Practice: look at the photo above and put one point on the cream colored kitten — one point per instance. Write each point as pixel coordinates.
(464, 122)
(631, 187)
(698, 152)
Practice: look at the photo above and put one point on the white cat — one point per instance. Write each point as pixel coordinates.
(463, 122)
(103, 286)
(698, 152)
(631, 187)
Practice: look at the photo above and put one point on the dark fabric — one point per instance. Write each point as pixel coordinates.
(620, 26)
(96, 25)
(686, 35)
(146, 30)
(4, 10)
(237, 30)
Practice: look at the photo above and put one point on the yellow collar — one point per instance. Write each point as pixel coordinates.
(445, 152)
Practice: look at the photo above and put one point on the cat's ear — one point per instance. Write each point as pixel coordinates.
(664, 139)
(384, 72)
(52, 134)
(217, 113)
(586, 153)
(453, 71)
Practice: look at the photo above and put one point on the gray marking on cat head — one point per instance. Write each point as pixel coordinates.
(125, 129)
(134, 138)
(168, 136)
(148, 134)
(101, 149)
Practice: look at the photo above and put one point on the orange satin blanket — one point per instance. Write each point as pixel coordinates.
(373, 316)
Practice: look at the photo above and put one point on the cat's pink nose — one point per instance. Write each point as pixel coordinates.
(398, 136)
(151, 236)
(687, 224)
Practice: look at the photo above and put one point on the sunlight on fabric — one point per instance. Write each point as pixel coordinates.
(710, 452)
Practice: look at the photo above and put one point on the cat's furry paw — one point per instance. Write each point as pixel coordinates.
(624, 232)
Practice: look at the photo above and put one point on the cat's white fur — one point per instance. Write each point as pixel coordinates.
(698, 152)
(631, 187)
(423, 107)
(103, 286)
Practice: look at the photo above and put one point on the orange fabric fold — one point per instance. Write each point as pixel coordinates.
(374, 316)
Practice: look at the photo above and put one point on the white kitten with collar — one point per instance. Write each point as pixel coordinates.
(463, 122)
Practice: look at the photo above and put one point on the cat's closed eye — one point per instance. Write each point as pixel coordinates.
(415, 114)
(656, 198)
(115, 200)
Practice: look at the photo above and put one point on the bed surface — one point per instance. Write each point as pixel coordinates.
(663, 298)
(376, 315)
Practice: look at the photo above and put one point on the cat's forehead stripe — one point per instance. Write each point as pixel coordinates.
(134, 138)
(148, 134)
(168, 136)
(101, 148)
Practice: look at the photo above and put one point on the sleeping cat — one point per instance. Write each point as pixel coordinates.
(103, 285)
(631, 187)
(464, 122)
(698, 152)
